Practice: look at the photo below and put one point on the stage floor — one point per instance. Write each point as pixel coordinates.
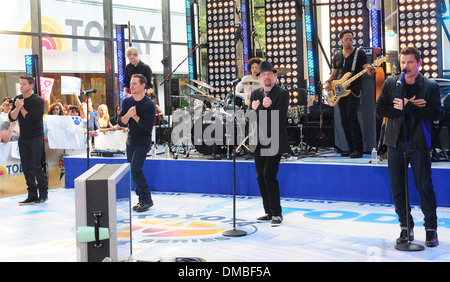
(191, 225)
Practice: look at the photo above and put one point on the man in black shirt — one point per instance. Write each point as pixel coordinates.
(343, 62)
(28, 108)
(419, 100)
(136, 66)
(138, 113)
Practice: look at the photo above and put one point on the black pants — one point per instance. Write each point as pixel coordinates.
(31, 156)
(136, 156)
(421, 168)
(348, 107)
(266, 172)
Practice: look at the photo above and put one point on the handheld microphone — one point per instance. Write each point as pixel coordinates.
(87, 92)
(401, 77)
(236, 81)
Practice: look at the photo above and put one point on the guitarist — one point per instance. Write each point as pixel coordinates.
(343, 62)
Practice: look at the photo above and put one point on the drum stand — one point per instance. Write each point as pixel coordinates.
(321, 135)
(184, 144)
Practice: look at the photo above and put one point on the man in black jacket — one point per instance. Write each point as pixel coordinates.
(418, 98)
(28, 108)
(269, 102)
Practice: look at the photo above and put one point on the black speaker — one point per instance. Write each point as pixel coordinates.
(175, 93)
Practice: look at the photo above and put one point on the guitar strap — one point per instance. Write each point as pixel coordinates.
(355, 58)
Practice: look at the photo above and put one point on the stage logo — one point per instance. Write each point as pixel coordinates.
(49, 26)
(174, 228)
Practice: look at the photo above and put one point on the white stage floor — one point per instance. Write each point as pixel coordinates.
(191, 225)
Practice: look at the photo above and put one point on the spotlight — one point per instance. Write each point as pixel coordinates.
(221, 35)
(283, 30)
(418, 27)
(354, 16)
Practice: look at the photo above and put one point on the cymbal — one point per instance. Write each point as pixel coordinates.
(204, 84)
(207, 98)
(283, 71)
(251, 83)
(196, 89)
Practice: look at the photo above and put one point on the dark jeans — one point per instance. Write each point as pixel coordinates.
(31, 153)
(348, 107)
(266, 172)
(421, 168)
(136, 156)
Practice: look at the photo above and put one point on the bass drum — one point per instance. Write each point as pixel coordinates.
(207, 143)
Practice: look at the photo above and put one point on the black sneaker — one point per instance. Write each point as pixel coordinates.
(30, 200)
(143, 206)
(276, 221)
(41, 200)
(431, 239)
(356, 155)
(404, 237)
(263, 218)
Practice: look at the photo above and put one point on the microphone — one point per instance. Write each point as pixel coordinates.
(401, 77)
(236, 81)
(87, 92)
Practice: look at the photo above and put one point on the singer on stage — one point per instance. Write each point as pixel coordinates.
(138, 113)
(272, 99)
(28, 108)
(421, 98)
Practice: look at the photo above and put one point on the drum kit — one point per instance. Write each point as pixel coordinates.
(218, 111)
(214, 111)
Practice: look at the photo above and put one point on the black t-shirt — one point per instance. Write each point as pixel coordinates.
(32, 125)
(344, 65)
(139, 133)
(141, 68)
(410, 91)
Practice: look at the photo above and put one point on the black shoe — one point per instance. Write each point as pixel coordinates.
(431, 239)
(143, 206)
(404, 237)
(263, 218)
(345, 153)
(30, 200)
(276, 221)
(356, 155)
(41, 200)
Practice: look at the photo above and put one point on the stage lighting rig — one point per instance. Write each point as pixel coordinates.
(419, 26)
(223, 33)
(284, 45)
(351, 15)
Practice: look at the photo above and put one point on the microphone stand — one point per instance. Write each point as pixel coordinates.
(408, 246)
(234, 232)
(87, 128)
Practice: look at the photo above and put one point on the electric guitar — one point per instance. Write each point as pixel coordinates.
(340, 87)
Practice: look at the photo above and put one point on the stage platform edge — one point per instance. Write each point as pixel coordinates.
(308, 178)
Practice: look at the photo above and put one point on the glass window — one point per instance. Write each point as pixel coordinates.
(80, 18)
(13, 50)
(15, 15)
(145, 18)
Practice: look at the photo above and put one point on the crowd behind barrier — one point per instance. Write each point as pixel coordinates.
(65, 129)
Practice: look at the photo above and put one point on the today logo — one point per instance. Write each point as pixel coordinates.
(49, 26)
